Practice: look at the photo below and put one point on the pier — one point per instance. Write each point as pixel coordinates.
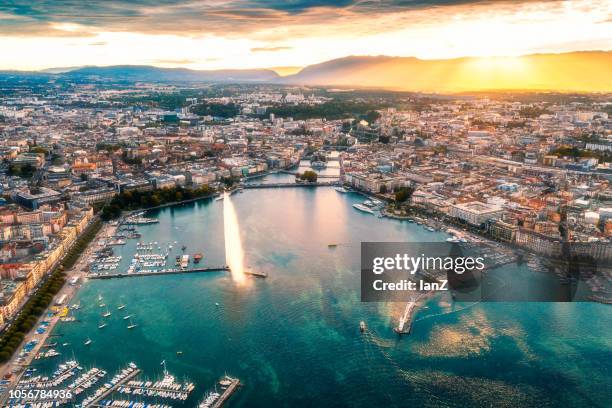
(405, 323)
(164, 272)
(256, 274)
(227, 393)
(100, 395)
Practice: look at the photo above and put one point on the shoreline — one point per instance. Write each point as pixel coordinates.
(17, 369)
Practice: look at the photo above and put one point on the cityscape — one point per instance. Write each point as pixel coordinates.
(187, 229)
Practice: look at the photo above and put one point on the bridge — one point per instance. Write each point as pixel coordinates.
(336, 176)
(282, 185)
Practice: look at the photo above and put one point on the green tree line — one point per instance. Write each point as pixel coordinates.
(38, 303)
(134, 200)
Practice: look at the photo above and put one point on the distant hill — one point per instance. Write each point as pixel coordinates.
(575, 71)
(585, 71)
(150, 73)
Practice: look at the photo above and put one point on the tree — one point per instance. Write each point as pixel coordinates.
(309, 176)
(403, 194)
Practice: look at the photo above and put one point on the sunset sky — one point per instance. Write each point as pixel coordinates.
(274, 33)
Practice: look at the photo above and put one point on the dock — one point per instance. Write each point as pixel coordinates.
(227, 393)
(112, 389)
(166, 272)
(256, 274)
(405, 323)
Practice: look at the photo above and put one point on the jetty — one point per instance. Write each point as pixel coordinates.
(108, 388)
(256, 274)
(162, 272)
(405, 322)
(233, 384)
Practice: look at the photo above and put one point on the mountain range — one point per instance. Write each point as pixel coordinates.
(587, 71)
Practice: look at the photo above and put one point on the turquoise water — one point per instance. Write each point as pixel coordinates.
(294, 338)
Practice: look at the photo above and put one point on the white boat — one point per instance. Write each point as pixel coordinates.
(131, 325)
(220, 198)
(102, 325)
(126, 317)
(107, 313)
(87, 342)
(363, 208)
(121, 306)
(342, 190)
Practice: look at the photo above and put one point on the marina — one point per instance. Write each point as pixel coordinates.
(322, 269)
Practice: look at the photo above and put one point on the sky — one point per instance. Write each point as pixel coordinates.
(219, 34)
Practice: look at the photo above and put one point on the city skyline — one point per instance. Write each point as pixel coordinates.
(270, 34)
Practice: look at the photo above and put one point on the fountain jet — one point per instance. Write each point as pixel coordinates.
(234, 255)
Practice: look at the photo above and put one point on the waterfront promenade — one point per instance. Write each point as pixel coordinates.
(79, 270)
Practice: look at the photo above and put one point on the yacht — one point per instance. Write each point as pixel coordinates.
(87, 342)
(102, 325)
(131, 325)
(107, 313)
(363, 208)
(127, 317)
(121, 306)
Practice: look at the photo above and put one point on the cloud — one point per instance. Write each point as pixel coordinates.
(229, 18)
(184, 61)
(270, 49)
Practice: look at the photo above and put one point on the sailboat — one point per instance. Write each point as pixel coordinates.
(132, 325)
(99, 297)
(121, 306)
(87, 342)
(107, 314)
(102, 325)
(126, 317)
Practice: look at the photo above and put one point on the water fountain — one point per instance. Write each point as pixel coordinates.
(234, 255)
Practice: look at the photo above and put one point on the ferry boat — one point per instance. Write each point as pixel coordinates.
(363, 208)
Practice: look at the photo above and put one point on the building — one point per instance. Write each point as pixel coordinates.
(475, 212)
(34, 198)
(503, 231)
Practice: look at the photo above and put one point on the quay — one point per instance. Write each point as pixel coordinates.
(166, 272)
(231, 388)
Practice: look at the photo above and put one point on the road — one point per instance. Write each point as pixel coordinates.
(78, 270)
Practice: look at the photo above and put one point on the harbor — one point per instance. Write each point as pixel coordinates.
(219, 325)
(124, 389)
